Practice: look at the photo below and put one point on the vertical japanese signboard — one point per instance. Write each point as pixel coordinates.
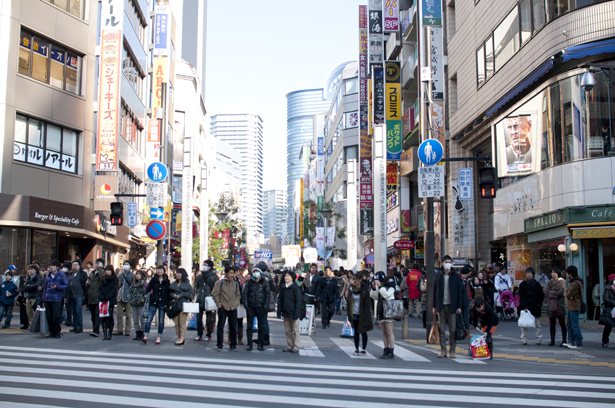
(431, 12)
(437, 65)
(391, 16)
(377, 95)
(393, 109)
(153, 140)
(108, 85)
(162, 31)
(160, 76)
(366, 198)
(376, 33)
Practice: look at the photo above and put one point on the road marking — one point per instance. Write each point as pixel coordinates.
(404, 354)
(347, 346)
(309, 348)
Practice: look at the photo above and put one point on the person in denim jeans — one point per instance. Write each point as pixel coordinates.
(77, 291)
(158, 288)
(574, 294)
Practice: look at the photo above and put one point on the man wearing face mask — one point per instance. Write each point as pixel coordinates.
(209, 278)
(125, 278)
(255, 299)
(449, 300)
(94, 284)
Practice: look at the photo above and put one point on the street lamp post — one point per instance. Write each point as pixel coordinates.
(326, 214)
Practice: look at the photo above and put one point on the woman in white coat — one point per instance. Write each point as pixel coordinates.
(384, 289)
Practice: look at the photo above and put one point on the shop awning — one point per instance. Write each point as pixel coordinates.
(526, 83)
(593, 230)
(392, 251)
(590, 49)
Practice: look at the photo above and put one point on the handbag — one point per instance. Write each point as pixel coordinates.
(271, 307)
(145, 313)
(526, 320)
(103, 309)
(44, 327)
(210, 304)
(555, 309)
(174, 308)
(460, 331)
(392, 309)
(190, 307)
(35, 326)
(434, 333)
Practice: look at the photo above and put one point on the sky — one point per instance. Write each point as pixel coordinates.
(258, 51)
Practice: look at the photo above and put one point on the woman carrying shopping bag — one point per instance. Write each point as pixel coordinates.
(359, 310)
(485, 320)
(107, 299)
(137, 297)
(384, 289)
(181, 291)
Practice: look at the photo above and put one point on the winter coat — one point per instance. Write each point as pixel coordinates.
(385, 292)
(456, 289)
(290, 301)
(95, 278)
(107, 292)
(209, 278)
(488, 319)
(159, 291)
(55, 295)
(574, 294)
(31, 286)
(183, 290)
(366, 323)
(502, 282)
(311, 288)
(137, 293)
(256, 294)
(11, 288)
(226, 294)
(412, 281)
(608, 301)
(328, 292)
(125, 279)
(531, 297)
(201, 294)
(76, 284)
(555, 291)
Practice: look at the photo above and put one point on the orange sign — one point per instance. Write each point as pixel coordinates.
(153, 140)
(519, 261)
(108, 100)
(160, 76)
(392, 177)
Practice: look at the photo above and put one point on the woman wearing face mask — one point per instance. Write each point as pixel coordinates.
(608, 299)
(290, 303)
(158, 288)
(384, 289)
(182, 290)
(107, 292)
(137, 302)
(358, 310)
(554, 292)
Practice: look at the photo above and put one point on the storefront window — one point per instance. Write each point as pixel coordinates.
(44, 246)
(14, 247)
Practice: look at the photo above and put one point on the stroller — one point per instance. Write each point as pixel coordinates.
(508, 306)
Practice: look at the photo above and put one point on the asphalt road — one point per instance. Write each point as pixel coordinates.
(79, 370)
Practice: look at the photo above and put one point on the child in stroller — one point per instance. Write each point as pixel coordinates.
(508, 305)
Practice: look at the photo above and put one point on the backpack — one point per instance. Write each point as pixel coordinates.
(211, 281)
(583, 305)
(423, 284)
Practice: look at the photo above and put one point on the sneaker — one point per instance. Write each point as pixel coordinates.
(524, 343)
(233, 348)
(538, 342)
(605, 345)
(208, 338)
(198, 338)
(219, 348)
(579, 347)
(564, 344)
(94, 334)
(572, 346)
(356, 351)
(363, 351)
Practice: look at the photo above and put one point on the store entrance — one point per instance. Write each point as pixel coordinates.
(599, 263)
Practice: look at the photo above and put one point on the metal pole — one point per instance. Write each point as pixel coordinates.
(163, 140)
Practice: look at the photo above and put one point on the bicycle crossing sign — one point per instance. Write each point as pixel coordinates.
(431, 181)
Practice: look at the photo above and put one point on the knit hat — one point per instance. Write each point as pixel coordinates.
(611, 277)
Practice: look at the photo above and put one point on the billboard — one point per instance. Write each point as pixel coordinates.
(392, 70)
(162, 30)
(105, 188)
(160, 76)
(391, 15)
(179, 130)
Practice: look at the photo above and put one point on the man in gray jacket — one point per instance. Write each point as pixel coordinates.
(77, 289)
(125, 278)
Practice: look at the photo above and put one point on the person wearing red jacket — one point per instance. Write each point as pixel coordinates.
(414, 307)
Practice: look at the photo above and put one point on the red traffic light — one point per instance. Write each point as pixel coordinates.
(116, 219)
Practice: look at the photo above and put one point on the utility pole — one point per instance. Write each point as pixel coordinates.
(163, 141)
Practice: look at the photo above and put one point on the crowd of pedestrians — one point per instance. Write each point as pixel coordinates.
(142, 298)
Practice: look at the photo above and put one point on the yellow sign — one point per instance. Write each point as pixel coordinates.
(160, 76)
(593, 233)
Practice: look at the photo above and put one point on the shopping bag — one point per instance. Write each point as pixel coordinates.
(255, 324)
(526, 319)
(44, 329)
(35, 326)
(460, 331)
(271, 303)
(192, 321)
(103, 309)
(190, 307)
(434, 333)
(347, 330)
(393, 309)
(479, 349)
(210, 305)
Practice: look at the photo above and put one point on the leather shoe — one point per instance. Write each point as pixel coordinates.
(442, 354)
(452, 355)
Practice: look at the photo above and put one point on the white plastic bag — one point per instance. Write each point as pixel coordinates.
(210, 305)
(527, 319)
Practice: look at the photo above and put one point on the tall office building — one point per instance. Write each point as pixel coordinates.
(274, 213)
(244, 132)
(194, 37)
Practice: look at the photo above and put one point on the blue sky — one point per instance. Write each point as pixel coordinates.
(258, 51)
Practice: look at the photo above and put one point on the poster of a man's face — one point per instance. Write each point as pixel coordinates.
(516, 144)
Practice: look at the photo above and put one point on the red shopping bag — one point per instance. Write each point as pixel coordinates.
(479, 348)
(103, 309)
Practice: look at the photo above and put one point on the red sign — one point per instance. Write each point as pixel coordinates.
(404, 245)
(156, 230)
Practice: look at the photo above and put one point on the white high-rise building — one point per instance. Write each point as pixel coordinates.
(274, 213)
(244, 132)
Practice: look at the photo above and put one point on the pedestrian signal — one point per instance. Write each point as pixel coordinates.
(487, 180)
(117, 213)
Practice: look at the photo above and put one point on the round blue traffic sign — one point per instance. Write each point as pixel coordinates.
(156, 230)
(157, 172)
(431, 152)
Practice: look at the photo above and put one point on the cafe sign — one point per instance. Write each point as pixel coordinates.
(546, 221)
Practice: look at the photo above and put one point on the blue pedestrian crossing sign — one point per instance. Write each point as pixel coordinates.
(157, 172)
(156, 213)
(431, 152)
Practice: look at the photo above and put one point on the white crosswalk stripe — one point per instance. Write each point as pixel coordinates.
(404, 354)
(347, 346)
(309, 348)
(49, 378)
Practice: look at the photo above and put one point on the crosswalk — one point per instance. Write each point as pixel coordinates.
(48, 377)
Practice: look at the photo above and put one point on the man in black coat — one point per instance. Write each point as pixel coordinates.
(449, 300)
(531, 296)
(310, 285)
(209, 278)
(255, 299)
(327, 294)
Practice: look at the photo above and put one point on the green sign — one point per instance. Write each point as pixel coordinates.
(595, 213)
(321, 201)
(546, 221)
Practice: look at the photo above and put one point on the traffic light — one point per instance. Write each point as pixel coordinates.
(487, 180)
(117, 213)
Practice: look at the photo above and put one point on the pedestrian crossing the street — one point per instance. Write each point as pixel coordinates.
(46, 377)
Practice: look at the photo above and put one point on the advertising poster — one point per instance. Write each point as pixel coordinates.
(178, 140)
(105, 188)
(378, 95)
(518, 261)
(517, 144)
(431, 12)
(437, 63)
